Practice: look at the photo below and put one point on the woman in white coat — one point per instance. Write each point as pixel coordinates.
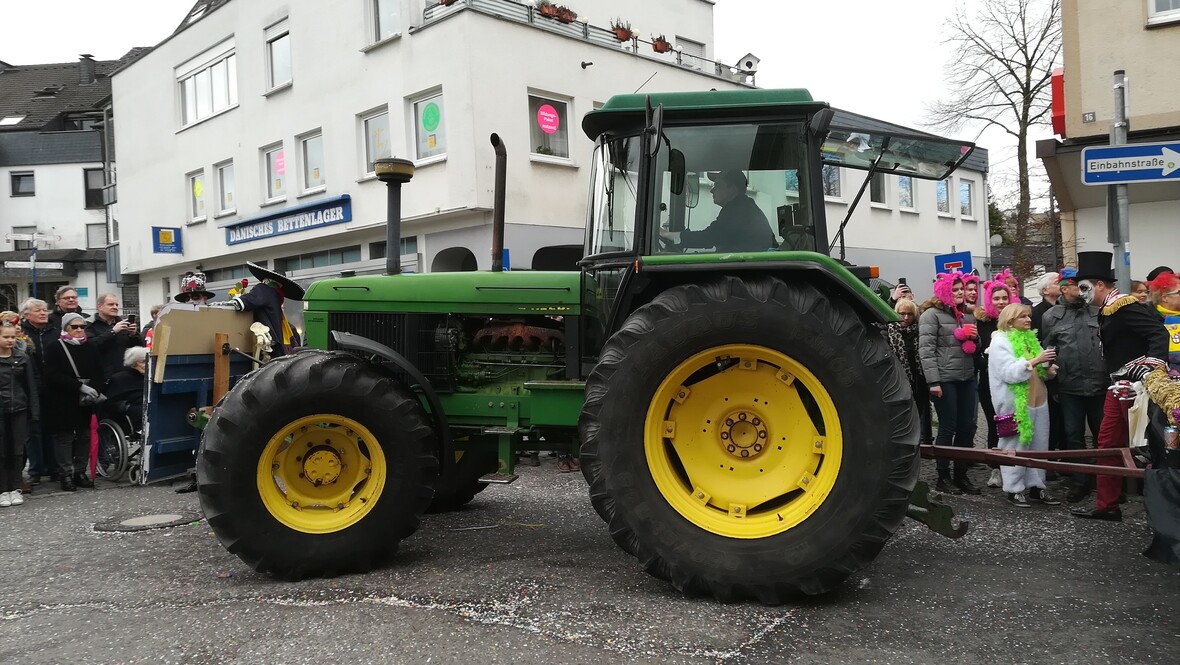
(1017, 369)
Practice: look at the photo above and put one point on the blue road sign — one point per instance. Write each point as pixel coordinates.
(957, 262)
(1134, 162)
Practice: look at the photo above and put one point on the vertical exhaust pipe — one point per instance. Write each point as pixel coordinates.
(393, 172)
(498, 205)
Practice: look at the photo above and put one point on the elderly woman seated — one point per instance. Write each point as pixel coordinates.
(125, 389)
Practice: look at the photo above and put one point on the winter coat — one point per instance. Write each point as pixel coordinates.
(1130, 330)
(904, 342)
(110, 344)
(1004, 369)
(943, 358)
(18, 385)
(62, 387)
(1073, 329)
(1038, 317)
(39, 338)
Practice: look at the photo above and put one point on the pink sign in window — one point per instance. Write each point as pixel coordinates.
(280, 163)
(547, 119)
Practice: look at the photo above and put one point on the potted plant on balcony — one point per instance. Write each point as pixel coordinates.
(547, 8)
(622, 29)
(566, 15)
(660, 44)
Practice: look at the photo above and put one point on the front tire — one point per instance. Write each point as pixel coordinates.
(316, 464)
(749, 439)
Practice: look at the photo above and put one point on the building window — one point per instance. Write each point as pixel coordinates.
(387, 18)
(278, 55)
(966, 193)
(23, 184)
(311, 151)
(24, 245)
(943, 191)
(877, 188)
(196, 196)
(232, 273)
(275, 163)
(548, 133)
(1163, 11)
(96, 236)
(331, 257)
(830, 175)
(429, 133)
(377, 139)
(225, 188)
(905, 192)
(208, 84)
(409, 247)
(94, 181)
(692, 54)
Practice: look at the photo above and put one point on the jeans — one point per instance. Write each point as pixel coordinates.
(956, 421)
(1078, 411)
(14, 431)
(989, 411)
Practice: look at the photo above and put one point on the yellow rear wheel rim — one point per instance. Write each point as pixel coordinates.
(732, 446)
(321, 474)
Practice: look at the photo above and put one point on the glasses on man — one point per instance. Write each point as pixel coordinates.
(68, 298)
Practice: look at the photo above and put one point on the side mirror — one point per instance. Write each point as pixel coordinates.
(676, 172)
(655, 128)
(821, 121)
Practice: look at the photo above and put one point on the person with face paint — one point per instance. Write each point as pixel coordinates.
(947, 338)
(1129, 331)
(987, 315)
(1071, 327)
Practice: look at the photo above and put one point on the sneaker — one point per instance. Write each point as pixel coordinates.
(1019, 500)
(995, 480)
(5, 499)
(1039, 494)
(15, 497)
(945, 486)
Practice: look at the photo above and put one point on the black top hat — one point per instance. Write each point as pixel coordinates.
(290, 288)
(1095, 265)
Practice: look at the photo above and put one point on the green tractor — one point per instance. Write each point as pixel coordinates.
(741, 422)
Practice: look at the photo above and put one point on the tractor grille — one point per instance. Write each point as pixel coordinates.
(411, 335)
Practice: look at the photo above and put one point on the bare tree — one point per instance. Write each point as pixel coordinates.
(1004, 57)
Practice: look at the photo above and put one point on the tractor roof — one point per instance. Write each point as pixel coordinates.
(626, 110)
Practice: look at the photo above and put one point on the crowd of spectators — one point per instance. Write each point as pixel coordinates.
(1040, 372)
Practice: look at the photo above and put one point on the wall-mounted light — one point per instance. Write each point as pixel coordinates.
(586, 64)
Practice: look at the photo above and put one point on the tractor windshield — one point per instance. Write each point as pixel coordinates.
(613, 195)
(746, 188)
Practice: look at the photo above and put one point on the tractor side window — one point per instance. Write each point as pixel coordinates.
(614, 184)
(747, 189)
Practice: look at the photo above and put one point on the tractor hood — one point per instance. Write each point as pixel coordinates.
(525, 292)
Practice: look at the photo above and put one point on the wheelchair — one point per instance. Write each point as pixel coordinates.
(120, 447)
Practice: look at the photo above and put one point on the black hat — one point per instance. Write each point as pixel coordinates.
(1159, 271)
(730, 176)
(193, 284)
(1095, 265)
(290, 288)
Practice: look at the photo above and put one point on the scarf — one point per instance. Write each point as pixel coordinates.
(1026, 347)
(70, 339)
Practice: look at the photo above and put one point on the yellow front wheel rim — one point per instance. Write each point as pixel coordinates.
(743, 441)
(321, 474)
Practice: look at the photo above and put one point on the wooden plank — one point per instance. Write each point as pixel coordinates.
(220, 367)
(160, 340)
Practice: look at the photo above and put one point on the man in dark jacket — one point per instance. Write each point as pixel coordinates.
(1071, 326)
(111, 334)
(740, 227)
(66, 299)
(1050, 291)
(1129, 331)
(37, 327)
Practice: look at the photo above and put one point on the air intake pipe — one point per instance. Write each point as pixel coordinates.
(393, 172)
(498, 205)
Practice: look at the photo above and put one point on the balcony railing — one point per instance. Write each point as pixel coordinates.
(519, 12)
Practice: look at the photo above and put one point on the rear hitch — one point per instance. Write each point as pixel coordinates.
(938, 516)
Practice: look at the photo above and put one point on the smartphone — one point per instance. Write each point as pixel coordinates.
(901, 281)
(132, 319)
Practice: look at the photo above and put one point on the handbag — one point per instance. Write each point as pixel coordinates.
(85, 398)
(1006, 425)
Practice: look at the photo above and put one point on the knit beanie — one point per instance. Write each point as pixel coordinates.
(67, 319)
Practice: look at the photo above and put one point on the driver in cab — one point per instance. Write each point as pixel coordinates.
(740, 227)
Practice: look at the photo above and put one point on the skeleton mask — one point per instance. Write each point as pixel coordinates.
(1086, 289)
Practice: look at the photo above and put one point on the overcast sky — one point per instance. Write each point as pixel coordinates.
(883, 59)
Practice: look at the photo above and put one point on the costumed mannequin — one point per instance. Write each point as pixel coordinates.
(265, 302)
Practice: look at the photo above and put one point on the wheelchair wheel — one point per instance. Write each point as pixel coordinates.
(112, 450)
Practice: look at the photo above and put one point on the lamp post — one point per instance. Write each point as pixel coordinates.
(393, 172)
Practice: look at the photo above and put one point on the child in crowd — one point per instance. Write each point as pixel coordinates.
(18, 399)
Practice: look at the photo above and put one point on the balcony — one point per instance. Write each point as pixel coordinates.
(518, 12)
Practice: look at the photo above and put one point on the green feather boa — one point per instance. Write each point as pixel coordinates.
(1025, 346)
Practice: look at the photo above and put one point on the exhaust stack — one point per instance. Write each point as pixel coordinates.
(498, 205)
(393, 172)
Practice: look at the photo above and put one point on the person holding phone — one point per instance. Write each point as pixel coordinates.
(111, 335)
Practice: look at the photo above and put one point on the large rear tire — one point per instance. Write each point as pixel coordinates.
(749, 439)
(316, 464)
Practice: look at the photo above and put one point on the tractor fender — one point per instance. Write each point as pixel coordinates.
(350, 342)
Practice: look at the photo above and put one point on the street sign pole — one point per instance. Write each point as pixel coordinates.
(1118, 136)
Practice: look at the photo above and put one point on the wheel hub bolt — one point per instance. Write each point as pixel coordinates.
(731, 448)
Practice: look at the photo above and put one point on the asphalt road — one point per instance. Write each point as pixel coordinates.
(528, 574)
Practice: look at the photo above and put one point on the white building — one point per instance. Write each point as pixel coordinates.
(52, 178)
(249, 134)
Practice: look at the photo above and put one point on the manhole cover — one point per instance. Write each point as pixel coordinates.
(145, 522)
